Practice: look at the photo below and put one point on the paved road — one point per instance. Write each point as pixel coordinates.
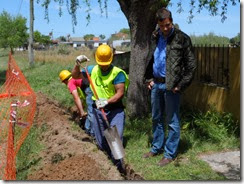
(226, 163)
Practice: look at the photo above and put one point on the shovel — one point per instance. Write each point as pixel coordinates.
(111, 133)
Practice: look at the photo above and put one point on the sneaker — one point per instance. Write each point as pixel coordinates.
(149, 154)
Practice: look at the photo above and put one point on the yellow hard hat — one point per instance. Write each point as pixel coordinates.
(104, 55)
(64, 74)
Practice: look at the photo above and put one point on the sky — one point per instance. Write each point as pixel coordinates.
(99, 24)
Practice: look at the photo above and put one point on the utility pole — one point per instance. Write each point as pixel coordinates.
(30, 47)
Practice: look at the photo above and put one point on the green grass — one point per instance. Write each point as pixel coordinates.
(3, 65)
(200, 132)
(44, 77)
(29, 152)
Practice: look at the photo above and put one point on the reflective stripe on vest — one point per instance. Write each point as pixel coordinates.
(81, 93)
(82, 97)
(104, 84)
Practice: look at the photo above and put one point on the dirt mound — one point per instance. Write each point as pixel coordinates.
(69, 153)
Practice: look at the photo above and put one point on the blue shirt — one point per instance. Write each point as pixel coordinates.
(159, 65)
(120, 78)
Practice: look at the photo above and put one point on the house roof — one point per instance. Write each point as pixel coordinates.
(121, 35)
(95, 38)
(77, 39)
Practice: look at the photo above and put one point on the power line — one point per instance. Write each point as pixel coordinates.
(20, 6)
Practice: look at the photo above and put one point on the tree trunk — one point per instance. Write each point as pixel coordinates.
(141, 19)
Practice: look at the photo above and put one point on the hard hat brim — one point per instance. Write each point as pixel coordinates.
(67, 78)
(104, 63)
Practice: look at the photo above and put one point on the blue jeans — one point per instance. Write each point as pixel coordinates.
(89, 119)
(115, 117)
(163, 100)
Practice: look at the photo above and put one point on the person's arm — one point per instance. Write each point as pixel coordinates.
(119, 88)
(76, 72)
(78, 103)
(189, 63)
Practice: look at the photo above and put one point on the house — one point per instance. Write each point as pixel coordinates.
(119, 43)
(81, 42)
(120, 36)
(95, 42)
(77, 41)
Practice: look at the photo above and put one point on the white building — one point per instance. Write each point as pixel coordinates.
(119, 43)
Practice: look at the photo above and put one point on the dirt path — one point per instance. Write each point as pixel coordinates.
(67, 154)
(226, 163)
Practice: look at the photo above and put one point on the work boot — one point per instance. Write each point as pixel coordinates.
(164, 161)
(149, 154)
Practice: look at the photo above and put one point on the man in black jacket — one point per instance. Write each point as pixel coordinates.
(169, 72)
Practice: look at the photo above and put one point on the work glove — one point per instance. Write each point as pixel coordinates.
(101, 103)
(81, 58)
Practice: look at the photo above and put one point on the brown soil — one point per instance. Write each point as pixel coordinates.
(69, 153)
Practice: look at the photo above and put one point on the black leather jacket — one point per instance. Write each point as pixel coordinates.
(180, 60)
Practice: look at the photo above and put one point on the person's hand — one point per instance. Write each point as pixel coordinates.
(176, 90)
(84, 115)
(101, 103)
(83, 120)
(80, 59)
(150, 84)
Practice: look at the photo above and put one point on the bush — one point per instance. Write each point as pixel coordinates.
(212, 126)
(63, 49)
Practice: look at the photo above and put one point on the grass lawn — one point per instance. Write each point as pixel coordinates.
(200, 132)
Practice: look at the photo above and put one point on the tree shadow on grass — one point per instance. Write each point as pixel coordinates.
(2, 77)
(184, 146)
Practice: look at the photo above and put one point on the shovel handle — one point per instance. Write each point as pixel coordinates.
(96, 96)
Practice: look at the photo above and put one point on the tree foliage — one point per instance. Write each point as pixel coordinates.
(214, 7)
(62, 39)
(176, 26)
(236, 39)
(125, 30)
(88, 37)
(102, 36)
(210, 38)
(42, 39)
(13, 31)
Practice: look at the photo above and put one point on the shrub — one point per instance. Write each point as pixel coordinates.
(63, 49)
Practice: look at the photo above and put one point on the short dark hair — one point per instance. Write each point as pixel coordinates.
(162, 14)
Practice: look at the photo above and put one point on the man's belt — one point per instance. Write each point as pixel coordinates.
(159, 80)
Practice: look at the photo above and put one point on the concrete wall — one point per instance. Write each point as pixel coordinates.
(202, 96)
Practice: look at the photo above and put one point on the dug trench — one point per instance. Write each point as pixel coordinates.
(68, 152)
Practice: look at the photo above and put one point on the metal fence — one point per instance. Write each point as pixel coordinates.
(212, 65)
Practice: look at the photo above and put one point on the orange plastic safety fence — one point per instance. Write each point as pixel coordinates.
(17, 110)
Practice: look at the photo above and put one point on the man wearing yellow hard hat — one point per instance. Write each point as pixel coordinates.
(110, 84)
(77, 87)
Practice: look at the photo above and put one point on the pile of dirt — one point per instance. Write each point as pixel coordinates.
(69, 154)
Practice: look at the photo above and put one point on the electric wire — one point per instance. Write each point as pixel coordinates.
(20, 6)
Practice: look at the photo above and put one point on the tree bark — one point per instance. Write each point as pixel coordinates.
(141, 19)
